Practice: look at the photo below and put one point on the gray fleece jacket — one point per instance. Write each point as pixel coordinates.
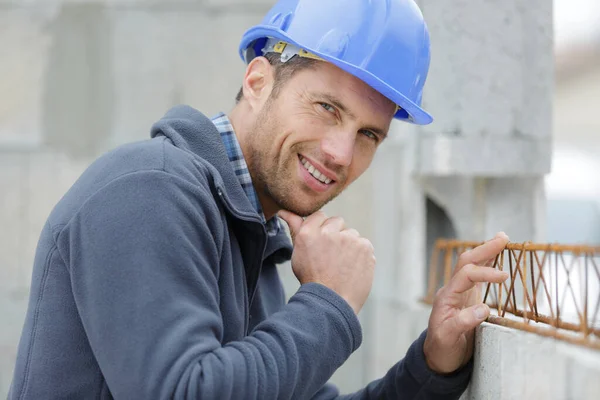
(154, 278)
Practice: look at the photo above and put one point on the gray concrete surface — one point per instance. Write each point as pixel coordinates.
(512, 364)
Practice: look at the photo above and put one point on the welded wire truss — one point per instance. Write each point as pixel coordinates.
(552, 289)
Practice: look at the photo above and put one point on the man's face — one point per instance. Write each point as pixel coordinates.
(314, 138)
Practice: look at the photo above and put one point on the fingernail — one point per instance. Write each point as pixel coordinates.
(502, 235)
(480, 312)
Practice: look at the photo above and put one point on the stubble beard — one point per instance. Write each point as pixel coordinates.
(274, 177)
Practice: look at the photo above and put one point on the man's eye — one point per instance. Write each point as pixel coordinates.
(328, 107)
(370, 135)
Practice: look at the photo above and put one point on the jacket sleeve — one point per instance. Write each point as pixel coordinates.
(410, 378)
(143, 254)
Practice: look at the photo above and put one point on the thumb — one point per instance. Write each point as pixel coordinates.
(470, 317)
(294, 221)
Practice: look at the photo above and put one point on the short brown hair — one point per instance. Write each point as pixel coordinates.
(283, 71)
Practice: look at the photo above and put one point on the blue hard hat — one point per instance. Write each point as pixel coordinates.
(385, 43)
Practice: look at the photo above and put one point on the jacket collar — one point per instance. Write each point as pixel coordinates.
(191, 130)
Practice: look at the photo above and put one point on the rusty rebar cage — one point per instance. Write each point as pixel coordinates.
(552, 289)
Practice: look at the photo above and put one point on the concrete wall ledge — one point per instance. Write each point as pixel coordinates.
(513, 364)
(483, 155)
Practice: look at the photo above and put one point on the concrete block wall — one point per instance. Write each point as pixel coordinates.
(490, 89)
(491, 68)
(512, 364)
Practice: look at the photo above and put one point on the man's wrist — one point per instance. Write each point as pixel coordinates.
(430, 360)
(434, 379)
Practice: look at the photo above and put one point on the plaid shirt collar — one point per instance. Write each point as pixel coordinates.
(236, 157)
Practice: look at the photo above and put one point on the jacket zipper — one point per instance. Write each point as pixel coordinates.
(248, 218)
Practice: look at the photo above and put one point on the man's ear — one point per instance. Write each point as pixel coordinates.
(258, 82)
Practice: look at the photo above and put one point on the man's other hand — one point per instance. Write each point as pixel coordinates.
(458, 308)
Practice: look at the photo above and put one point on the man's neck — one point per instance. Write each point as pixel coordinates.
(242, 123)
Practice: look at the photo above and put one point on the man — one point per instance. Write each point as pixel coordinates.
(155, 275)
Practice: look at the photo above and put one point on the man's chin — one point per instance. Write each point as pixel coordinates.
(300, 211)
(299, 202)
(303, 210)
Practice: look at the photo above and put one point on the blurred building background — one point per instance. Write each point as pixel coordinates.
(515, 146)
(574, 183)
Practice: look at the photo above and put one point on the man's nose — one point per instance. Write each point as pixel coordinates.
(338, 146)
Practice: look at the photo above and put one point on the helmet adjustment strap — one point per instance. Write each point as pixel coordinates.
(288, 51)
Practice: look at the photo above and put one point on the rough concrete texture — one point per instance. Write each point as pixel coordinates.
(491, 77)
(77, 89)
(489, 61)
(196, 50)
(517, 206)
(480, 207)
(488, 155)
(25, 48)
(512, 364)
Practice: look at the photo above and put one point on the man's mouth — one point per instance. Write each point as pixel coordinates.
(318, 175)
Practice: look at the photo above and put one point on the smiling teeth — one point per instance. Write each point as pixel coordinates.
(314, 172)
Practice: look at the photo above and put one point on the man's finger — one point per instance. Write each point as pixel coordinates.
(316, 219)
(482, 253)
(294, 221)
(334, 224)
(469, 318)
(351, 232)
(470, 274)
